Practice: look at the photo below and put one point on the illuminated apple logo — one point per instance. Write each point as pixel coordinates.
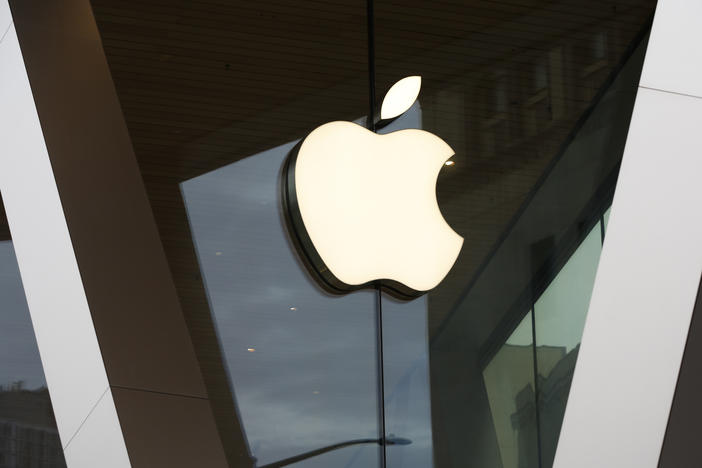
(362, 207)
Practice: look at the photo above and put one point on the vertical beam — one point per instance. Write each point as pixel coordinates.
(67, 342)
(120, 364)
(650, 266)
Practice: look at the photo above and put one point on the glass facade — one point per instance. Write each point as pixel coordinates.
(305, 361)
(528, 272)
(28, 434)
(535, 99)
(531, 372)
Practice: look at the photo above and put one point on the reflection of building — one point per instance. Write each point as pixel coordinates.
(524, 425)
(553, 396)
(509, 382)
(553, 388)
(28, 435)
(583, 148)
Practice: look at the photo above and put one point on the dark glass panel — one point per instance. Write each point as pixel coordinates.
(302, 362)
(559, 315)
(535, 98)
(406, 376)
(510, 387)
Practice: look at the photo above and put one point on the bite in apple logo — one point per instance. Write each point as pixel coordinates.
(361, 207)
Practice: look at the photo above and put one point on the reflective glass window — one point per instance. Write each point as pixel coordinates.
(302, 362)
(509, 383)
(535, 100)
(559, 316)
(605, 218)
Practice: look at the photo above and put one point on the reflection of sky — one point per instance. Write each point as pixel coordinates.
(408, 403)
(19, 357)
(311, 380)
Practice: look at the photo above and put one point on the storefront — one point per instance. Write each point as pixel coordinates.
(181, 320)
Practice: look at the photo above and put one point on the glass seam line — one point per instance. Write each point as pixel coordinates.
(379, 306)
(537, 415)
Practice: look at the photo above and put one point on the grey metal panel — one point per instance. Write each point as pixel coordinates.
(62, 323)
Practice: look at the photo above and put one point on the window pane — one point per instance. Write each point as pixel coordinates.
(509, 382)
(407, 392)
(302, 362)
(535, 99)
(560, 317)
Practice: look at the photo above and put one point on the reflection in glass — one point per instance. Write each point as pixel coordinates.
(509, 382)
(407, 393)
(535, 99)
(28, 435)
(559, 316)
(202, 90)
(302, 363)
(562, 307)
(406, 360)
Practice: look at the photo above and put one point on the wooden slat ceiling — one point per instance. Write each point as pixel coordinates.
(205, 83)
(505, 93)
(185, 70)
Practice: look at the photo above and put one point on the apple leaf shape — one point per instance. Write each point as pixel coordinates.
(400, 97)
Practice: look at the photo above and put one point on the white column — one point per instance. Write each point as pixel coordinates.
(81, 397)
(651, 263)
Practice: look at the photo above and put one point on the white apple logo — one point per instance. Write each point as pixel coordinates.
(363, 206)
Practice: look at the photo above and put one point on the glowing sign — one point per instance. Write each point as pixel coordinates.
(362, 206)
